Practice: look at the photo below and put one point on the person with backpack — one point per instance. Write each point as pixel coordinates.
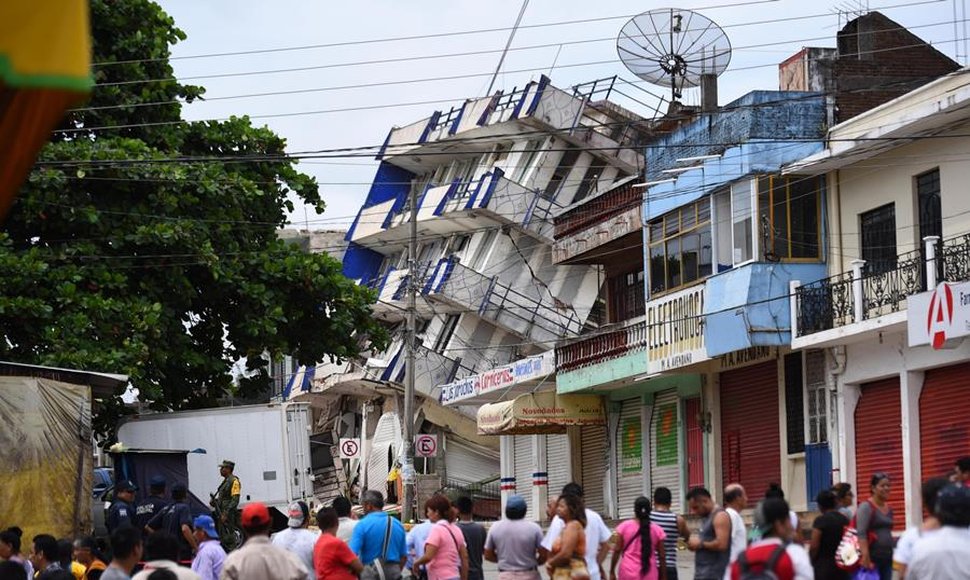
(640, 546)
(773, 557)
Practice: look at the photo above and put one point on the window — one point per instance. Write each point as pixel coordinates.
(742, 222)
(795, 403)
(930, 214)
(590, 179)
(626, 296)
(566, 163)
(790, 210)
(526, 160)
(457, 243)
(878, 230)
(680, 247)
(482, 250)
(817, 397)
(447, 330)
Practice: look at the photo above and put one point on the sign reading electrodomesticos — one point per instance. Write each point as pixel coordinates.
(940, 315)
(675, 330)
(499, 378)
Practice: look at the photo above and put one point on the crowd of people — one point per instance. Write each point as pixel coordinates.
(163, 541)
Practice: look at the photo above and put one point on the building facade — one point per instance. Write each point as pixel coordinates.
(889, 319)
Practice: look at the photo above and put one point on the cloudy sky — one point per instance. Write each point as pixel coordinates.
(328, 107)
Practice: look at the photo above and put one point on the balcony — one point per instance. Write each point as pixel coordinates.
(392, 295)
(606, 357)
(460, 288)
(431, 369)
(605, 223)
(538, 105)
(849, 306)
(490, 200)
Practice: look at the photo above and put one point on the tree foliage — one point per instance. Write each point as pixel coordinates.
(131, 251)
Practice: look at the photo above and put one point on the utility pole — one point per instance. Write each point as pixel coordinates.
(407, 464)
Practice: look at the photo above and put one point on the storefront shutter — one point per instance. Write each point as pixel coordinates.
(469, 463)
(750, 437)
(524, 466)
(665, 448)
(557, 463)
(944, 419)
(629, 450)
(385, 448)
(594, 454)
(879, 441)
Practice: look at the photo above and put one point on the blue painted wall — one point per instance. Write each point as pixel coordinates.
(749, 306)
(390, 182)
(757, 133)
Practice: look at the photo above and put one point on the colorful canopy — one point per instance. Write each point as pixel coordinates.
(45, 67)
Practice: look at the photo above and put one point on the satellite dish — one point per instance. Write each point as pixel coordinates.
(673, 48)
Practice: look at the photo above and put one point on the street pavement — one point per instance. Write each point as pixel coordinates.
(685, 567)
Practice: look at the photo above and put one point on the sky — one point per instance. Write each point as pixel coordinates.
(327, 107)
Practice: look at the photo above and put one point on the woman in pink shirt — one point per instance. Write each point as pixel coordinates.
(445, 555)
(640, 545)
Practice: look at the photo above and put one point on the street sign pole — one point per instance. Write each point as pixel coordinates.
(407, 464)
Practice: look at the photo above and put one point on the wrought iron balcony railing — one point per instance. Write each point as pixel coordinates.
(867, 293)
(602, 346)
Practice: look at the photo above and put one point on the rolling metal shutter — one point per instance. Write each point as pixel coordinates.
(629, 479)
(466, 462)
(385, 448)
(594, 453)
(524, 466)
(879, 441)
(944, 419)
(557, 463)
(750, 438)
(665, 458)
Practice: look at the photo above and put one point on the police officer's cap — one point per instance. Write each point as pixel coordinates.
(229, 464)
(157, 481)
(126, 485)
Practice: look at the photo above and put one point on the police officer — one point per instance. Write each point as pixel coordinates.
(122, 511)
(226, 503)
(151, 505)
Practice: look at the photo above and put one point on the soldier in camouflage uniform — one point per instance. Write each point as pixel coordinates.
(226, 503)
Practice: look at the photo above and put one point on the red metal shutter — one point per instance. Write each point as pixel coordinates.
(695, 443)
(879, 441)
(750, 437)
(944, 419)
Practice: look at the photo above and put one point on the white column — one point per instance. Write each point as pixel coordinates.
(793, 306)
(858, 306)
(848, 399)
(930, 245)
(540, 478)
(711, 397)
(506, 447)
(911, 385)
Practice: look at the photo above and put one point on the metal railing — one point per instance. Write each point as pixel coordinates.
(602, 346)
(597, 210)
(868, 293)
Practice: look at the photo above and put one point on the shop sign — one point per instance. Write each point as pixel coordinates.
(675, 330)
(535, 413)
(631, 446)
(666, 452)
(939, 315)
(745, 357)
(503, 377)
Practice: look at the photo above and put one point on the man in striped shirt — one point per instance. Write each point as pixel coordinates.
(675, 526)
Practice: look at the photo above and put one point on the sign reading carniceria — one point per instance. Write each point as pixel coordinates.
(675, 330)
(499, 378)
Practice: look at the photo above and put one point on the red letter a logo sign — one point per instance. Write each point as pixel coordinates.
(940, 315)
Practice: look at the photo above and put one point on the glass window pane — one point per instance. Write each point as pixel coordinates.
(674, 277)
(657, 272)
(704, 263)
(779, 222)
(690, 248)
(742, 221)
(805, 200)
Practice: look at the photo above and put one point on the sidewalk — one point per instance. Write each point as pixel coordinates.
(685, 567)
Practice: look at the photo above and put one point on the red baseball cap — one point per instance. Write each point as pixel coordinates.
(255, 515)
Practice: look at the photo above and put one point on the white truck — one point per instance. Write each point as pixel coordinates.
(270, 445)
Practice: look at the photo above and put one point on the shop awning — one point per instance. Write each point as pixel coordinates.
(45, 67)
(540, 413)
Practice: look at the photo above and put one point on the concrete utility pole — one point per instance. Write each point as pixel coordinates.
(407, 464)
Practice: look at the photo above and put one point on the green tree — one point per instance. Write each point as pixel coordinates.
(130, 250)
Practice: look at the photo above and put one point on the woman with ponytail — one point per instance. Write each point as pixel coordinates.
(640, 546)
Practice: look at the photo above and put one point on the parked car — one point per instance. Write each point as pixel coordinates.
(103, 492)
